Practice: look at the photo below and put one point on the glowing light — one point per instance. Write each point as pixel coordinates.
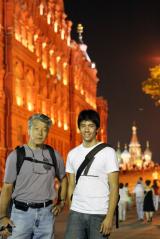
(58, 58)
(59, 123)
(65, 126)
(49, 18)
(51, 52)
(44, 65)
(82, 92)
(31, 47)
(52, 118)
(68, 41)
(93, 65)
(56, 26)
(18, 37)
(41, 8)
(24, 42)
(64, 64)
(44, 44)
(62, 34)
(155, 175)
(35, 37)
(65, 81)
(51, 71)
(19, 100)
(30, 106)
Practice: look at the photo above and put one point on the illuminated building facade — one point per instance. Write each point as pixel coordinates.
(43, 70)
(134, 158)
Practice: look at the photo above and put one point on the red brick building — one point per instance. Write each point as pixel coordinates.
(42, 70)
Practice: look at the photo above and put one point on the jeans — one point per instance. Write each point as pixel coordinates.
(84, 226)
(32, 224)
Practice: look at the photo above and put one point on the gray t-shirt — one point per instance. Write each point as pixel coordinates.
(34, 183)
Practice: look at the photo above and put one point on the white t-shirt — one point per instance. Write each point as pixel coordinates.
(91, 194)
(139, 190)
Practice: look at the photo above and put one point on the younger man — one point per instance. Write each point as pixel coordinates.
(96, 194)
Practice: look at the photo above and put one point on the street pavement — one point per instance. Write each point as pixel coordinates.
(130, 229)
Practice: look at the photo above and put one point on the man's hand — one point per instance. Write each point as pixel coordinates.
(6, 225)
(57, 208)
(106, 226)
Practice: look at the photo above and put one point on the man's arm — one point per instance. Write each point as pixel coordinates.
(113, 180)
(71, 186)
(63, 189)
(5, 199)
(62, 194)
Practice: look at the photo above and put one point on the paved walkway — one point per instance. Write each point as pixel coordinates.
(131, 229)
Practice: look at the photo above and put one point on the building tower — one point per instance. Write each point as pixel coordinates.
(148, 156)
(126, 158)
(135, 149)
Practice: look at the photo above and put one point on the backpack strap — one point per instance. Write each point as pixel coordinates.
(54, 160)
(20, 157)
(89, 160)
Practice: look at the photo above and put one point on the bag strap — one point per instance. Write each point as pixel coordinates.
(117, 213)
(54, 160)
(89, 159)
(20, 157)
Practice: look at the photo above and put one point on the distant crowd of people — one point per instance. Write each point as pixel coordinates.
(146, 197)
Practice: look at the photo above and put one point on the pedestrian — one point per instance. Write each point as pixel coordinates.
(139, 198)
(148, 205)
(128, 196)
(123, 201)
(33, 212)
(156, 189)
(94, 198)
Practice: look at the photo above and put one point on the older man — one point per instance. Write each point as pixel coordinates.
(33, 213)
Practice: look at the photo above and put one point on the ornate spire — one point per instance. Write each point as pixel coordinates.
(80, 31)
(134, 138)
(147, 153)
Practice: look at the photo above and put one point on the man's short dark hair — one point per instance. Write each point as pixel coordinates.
(91, 115)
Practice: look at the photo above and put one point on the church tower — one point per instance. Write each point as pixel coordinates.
(135, 149)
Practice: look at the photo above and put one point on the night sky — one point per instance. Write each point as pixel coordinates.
(123, 39)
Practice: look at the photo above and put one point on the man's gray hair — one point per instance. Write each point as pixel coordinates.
(44, 118)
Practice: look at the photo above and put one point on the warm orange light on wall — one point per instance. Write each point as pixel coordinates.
(44, 65)
(82, 92)
(31, 47)
(65, 126)
(51, 71)
(56, 26)
(59, 123)
(41, 8)
(19, 100)
(49, 18)
(51, 52)
(30, 106)
(65, 81)
(68, 41)
(58, 58)
(44, 44)
(35, 37)
(17, 37)
(62, 34)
